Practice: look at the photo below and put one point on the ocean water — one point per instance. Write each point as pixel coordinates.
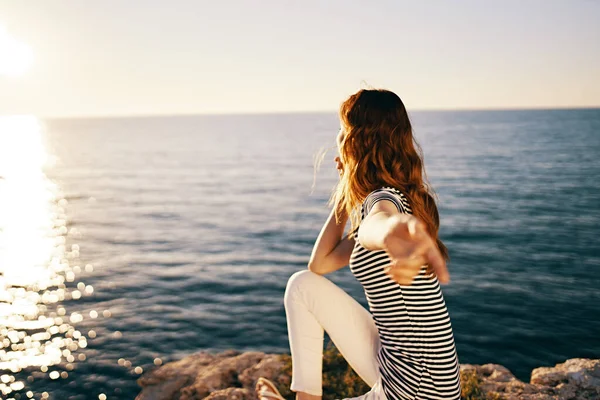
(130, 242)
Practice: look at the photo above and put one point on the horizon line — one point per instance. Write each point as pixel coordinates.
(264, 113)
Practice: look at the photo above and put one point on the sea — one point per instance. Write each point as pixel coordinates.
(129, 242)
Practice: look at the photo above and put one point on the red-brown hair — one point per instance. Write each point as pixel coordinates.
(378, 149)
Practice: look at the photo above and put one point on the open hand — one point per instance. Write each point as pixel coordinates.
(409, 247)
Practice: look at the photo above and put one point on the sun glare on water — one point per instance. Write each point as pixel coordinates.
(37, 268)
(16, 57)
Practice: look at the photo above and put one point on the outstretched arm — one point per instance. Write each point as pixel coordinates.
(404, 238)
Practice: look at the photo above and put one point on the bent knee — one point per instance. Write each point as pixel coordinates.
(298, 281)
(299, 278)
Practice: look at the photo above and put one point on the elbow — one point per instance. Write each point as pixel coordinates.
(317, 267)
(312, 267)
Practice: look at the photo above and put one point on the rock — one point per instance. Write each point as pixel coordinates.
(226, 375)
(232, 393)
(497, 379)
(576, 379)
(233, 375)
(269, 367)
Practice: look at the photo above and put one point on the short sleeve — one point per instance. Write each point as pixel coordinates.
(383, 194)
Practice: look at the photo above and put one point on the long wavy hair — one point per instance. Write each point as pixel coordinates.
(378, 149)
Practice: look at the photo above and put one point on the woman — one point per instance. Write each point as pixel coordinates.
(404, 347)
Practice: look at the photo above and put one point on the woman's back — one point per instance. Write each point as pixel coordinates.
(418, 358)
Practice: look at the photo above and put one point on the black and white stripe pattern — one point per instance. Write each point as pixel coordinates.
(418, 359)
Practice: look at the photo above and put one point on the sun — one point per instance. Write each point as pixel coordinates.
(16, 57)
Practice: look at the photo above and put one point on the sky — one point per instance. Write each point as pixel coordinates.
(112, 57)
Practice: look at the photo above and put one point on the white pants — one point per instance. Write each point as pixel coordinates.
(314, 304)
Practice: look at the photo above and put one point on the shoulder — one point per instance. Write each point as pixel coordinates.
(387, 193)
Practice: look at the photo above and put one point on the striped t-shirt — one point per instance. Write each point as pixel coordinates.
(417, 359)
